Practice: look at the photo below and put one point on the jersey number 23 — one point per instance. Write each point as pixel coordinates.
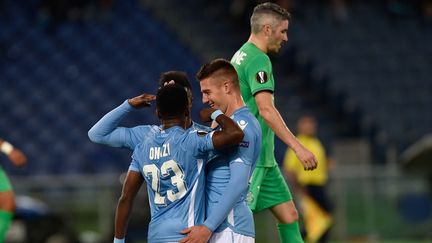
(153, 173)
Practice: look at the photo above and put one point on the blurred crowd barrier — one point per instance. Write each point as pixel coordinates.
(371, 204)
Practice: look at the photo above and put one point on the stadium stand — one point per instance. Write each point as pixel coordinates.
(57, 84)
(357, 78)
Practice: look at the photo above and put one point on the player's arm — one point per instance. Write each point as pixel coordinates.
(237, 185)
(132, 183)
(106, 130)
(266, 108)
(230, 134)
(15, 155)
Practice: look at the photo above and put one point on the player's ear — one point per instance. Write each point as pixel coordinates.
(226, 86)
(267, 29)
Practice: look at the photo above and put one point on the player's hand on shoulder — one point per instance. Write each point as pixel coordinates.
(307, 158)
(17, 157)
(205, 114)
(141, 101)
(196, 234)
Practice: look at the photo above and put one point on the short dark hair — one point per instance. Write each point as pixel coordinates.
(179, 77)
(219, 67)
(171, 101)
(267, 8)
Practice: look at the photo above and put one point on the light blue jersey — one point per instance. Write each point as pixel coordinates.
(172, 163)
(227, 179)
(107, 131)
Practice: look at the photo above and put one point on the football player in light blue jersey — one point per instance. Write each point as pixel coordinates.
(228, 217)
(107, 131)
(170, 160)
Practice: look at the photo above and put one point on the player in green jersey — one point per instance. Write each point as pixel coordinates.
(268, 190)
(7, 199)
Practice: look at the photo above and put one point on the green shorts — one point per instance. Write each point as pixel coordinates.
(267, 189)
(5, 184)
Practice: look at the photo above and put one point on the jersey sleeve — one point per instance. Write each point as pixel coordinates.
(135, 135)
(134, 165)
(200, 143)
(249, 146)
(260, 75)
(237, 185)
(106, 131)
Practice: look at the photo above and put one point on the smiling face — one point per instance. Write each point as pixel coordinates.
(214, 93)
(277, 34)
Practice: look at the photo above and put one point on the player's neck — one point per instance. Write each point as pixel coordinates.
(235, 104)
(188, 122)
(258, 41)
(168, 123)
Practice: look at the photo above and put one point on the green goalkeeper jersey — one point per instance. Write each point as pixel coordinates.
(255, 73)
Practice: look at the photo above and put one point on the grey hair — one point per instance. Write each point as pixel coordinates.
(262, 12)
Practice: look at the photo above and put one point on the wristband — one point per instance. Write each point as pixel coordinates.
(215, 114)
(116, 240)
(6, 148)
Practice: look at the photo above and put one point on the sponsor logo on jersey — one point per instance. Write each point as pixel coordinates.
(244, 144)
(261, 77)
(242, 124)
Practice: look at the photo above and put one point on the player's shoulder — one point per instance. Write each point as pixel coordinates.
(139, 150)
(244, 113)
(147, 131)
(198, 132)
(192, 135)
(192, 139)
(254, 52)
(245, 119)
(200, 128)
(249, 53)
(147, 128)
(260, 58)
(143, 132)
